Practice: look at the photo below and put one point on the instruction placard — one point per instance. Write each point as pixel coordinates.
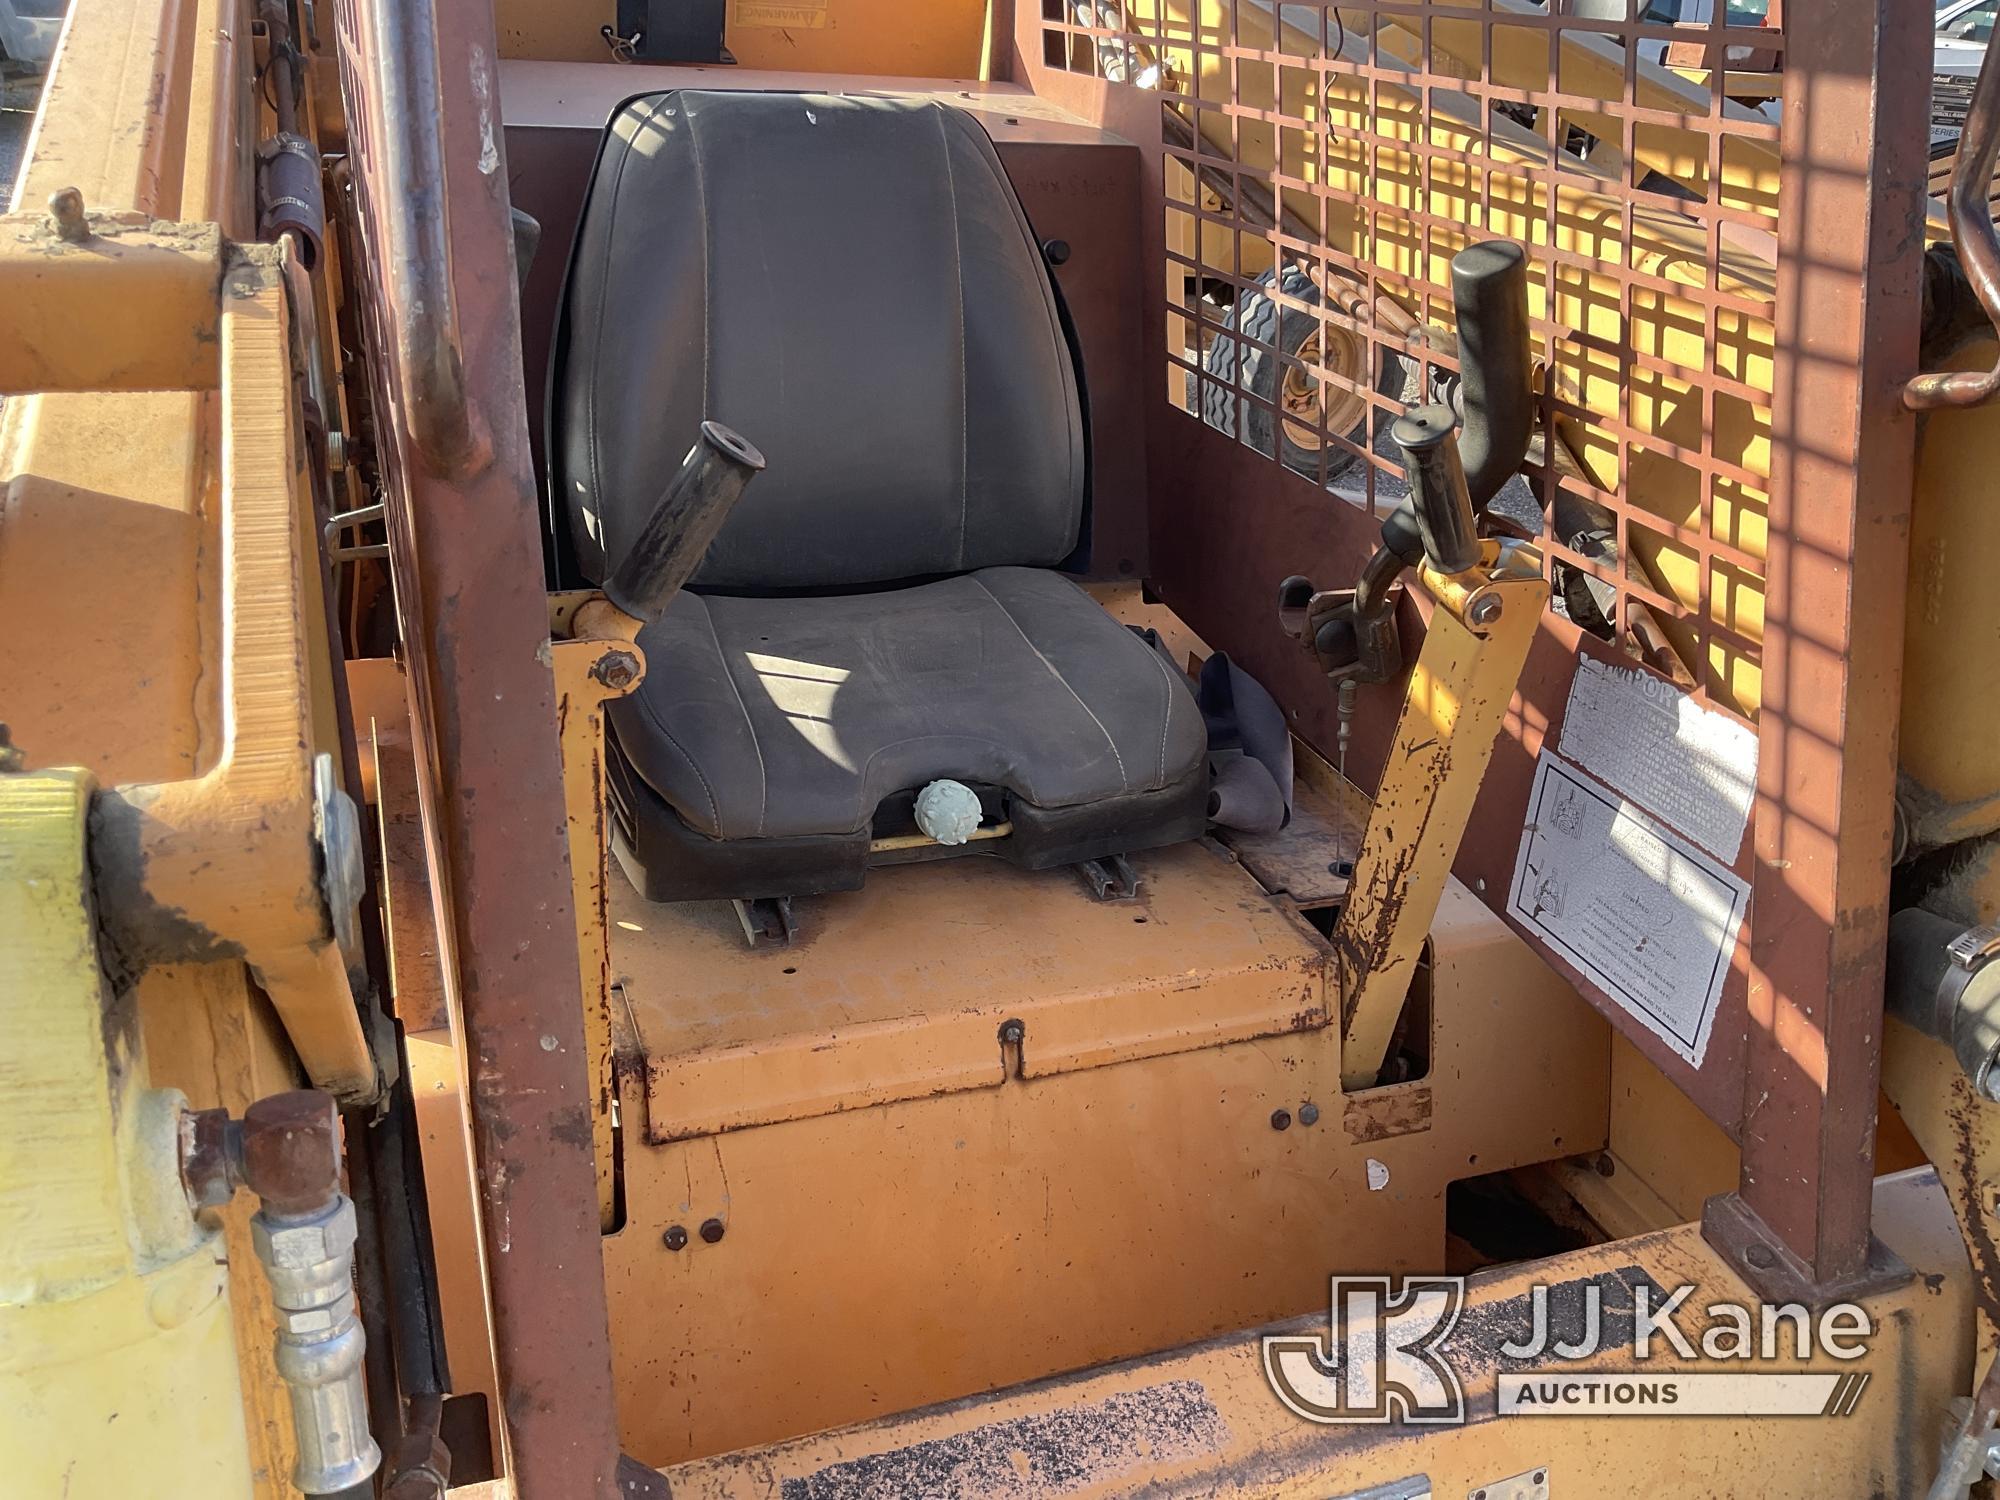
(1646, 739)
(1649, 917)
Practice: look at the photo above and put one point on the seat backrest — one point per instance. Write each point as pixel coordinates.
(851, 284)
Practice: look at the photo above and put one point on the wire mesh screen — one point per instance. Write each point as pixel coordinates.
(1324, 163)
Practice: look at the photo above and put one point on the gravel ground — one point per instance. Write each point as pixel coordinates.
(17, 112)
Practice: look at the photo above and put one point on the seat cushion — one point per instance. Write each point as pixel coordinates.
(850, 283)
(795, 717)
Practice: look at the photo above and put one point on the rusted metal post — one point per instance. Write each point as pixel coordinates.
(466, 552)
(1849, 282)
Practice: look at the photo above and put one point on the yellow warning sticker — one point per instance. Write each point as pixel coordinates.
(808, 14)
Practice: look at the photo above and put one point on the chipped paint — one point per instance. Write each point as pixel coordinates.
(482, 94)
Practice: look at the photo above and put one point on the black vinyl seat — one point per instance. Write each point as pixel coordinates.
(851, 283)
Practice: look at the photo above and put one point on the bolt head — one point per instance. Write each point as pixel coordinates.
(67, 216)
(1309, 1113)
(1485, 609)
(1013, 1032)
(617, 670)
(711, 1231)
(1281, 1119)
(675, 1238)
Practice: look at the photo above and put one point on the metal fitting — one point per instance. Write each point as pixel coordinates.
(289, 196)
(1944, 979)
(421, 1468)
(1484, 610)
(287, 1151)
(301, 1253)
(291, 1153)
(310, 1265)
(66, 216)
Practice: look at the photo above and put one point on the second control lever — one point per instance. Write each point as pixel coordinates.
(1353, 632)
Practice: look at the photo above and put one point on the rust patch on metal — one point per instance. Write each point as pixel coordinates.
(1974, 1197)
(1362, 946)
(1383, 1114)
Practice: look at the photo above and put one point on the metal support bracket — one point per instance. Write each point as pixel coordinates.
(588, 673)
(767, 919)
(229, 864)
(1111, 878)
(1453, 710)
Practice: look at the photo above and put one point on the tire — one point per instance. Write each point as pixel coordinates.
(1258, 315)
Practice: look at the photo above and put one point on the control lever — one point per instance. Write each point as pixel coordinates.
(1452, 476)
(669, 547)
(1495, 393)
(1439, 497)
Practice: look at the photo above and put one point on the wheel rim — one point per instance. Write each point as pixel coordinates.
(1309, 401)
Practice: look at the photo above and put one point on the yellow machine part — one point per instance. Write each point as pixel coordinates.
(118, 1371)
(1949, 751)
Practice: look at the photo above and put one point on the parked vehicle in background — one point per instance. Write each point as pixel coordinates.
(1691, 57)
(1692, 13)
(28, 30)
(1963, 29)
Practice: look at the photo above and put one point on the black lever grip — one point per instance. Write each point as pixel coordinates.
(1438, 494)
(670, 545)
(1489, 294)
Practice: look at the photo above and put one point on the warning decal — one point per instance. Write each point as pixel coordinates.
(1694, 767)
(1646, 915)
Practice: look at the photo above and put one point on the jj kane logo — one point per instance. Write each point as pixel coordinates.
(1387, 1355)
(1384, 1361)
